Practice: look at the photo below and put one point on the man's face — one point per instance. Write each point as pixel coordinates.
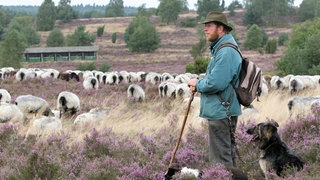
(212, 31)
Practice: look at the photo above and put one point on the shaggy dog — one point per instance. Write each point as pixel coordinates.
(275, 155)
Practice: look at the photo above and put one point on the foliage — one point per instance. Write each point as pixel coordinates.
(199, 48)
(65, 13)
(23, 24)
(46, 16)
(141, 35)
(105, 67)
(198, 66)
(266, 12)
(308, 10)
(169, 10)
(55, 38)
(115, 8)
(283, 38)
(100, 30)
(188, 22)
(12, 49)
(271, 46)
(80, 37)
(302, 54)
(86, 67)
(255, 37)
(206, 6)
(114, 37)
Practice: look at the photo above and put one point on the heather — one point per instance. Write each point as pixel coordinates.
(135, 140)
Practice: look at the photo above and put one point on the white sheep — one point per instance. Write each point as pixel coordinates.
(50, 73)
(33, 105)
(153, 78)
(112, 78)
(166, 76)
(93, 116)
(136, 93)
(87, 74)
(11, 112)
(169, 89)
(68, 103)
(301, 104)
(182, 91)
(124, 77)
(5, 96)
(183, 78)
(301, 82)
(45, 125)
(24, 73)
(90, 82)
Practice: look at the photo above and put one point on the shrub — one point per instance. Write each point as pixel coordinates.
(105, 67)
(188, 22)
(114, 37)
(100, 31)
(283, 37)
(86, 67)
(255, 38)
(198, 66)
(271, 46)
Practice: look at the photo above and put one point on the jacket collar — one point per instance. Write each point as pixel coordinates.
(215, 44)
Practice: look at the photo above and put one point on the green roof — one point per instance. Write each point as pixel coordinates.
(62, 49)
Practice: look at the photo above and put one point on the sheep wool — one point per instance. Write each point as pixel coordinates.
(30, 104)
(68, 102)
(5, 96)
(136, 92)
(11, 112)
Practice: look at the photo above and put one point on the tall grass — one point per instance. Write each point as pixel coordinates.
(135, 140)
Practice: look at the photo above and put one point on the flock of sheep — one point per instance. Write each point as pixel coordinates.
(30, 108)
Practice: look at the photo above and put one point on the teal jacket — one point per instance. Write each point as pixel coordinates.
(223, 69)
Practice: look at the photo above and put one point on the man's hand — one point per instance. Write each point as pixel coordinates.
(192, 85)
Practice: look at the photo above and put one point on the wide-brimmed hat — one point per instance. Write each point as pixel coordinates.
(217, 17)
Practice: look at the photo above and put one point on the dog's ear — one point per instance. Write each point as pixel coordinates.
(273, 122)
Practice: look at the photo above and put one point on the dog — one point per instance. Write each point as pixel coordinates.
(274, 153)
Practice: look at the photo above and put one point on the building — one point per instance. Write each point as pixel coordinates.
(42, 54)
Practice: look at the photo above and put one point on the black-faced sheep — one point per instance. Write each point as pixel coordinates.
(112, 78)
(90, 82)
(124, 77)
(153, 78)
(23, 74)
(301, 105)
(182, 91)
(136, 92)
(11, 112)
(169, 89)
(67, 76)
(33, 105)
(68, 103)
(298, 83)
(5, 96)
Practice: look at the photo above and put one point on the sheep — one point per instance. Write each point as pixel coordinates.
(277, 82)
(68, 103)
(166, 76)
(33, 105)
(93, 116)
(50, 73)
(5, 96)
(161, 89)
(90, 83)
(87, 74)
(23, 74)
(153, 78)
(11, 112)
(169, 89)
(112, 78)
(45, 125)
(67, 76)
(301, 105)
(183, 78)
(136, 92)
(123, 77)
(298, 83)
(182, 91)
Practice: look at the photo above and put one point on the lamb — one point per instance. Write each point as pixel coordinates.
(68, 103)
(136, 92)
(301, 105)
(90, 82)
(11, 112)
(33, 105)
(5, 96)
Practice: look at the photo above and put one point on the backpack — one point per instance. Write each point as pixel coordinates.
(250, 79)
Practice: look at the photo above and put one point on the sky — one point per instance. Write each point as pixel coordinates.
(133, 3)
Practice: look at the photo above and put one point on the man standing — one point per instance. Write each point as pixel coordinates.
(217, 87)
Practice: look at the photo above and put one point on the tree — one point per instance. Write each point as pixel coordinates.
(255, 38)
(141, 35)
(80, 37)
(115, 8)
(169, 10)
(308, 10)
(205, 6)
(65, 13)
(100, 31)
(46, 16)
(12, 49)
(302, 55)
(55, 38)
(23, 24)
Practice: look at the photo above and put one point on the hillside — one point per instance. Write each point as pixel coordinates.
(172, 56)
